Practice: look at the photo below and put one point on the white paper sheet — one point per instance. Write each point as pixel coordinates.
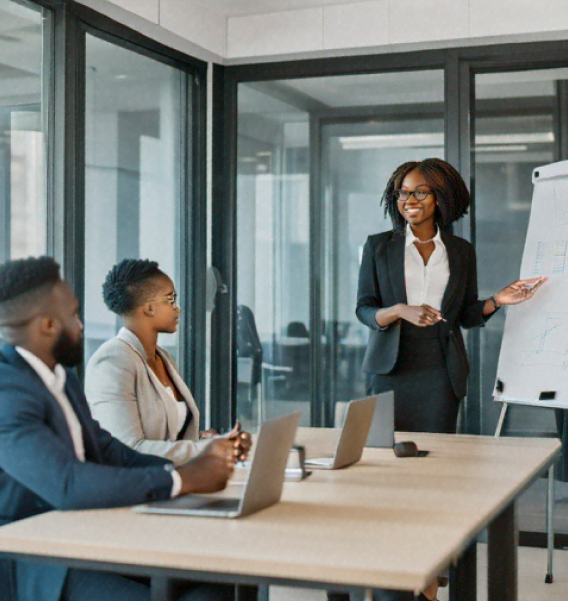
(534, 351)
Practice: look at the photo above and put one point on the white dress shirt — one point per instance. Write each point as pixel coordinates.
(425, 284)
(55, 382)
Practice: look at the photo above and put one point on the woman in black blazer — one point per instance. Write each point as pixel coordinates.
(417, 288)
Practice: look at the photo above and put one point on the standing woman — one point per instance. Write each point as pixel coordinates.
(417, 288)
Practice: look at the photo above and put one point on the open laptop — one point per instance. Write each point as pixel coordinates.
(352, 438)
(381, 434)
(263, 487)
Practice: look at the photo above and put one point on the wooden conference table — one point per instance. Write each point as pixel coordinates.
(383, 523)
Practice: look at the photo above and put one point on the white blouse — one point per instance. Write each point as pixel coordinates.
(425, 284)
(180, 407)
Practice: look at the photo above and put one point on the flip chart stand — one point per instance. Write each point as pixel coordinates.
(549, 578)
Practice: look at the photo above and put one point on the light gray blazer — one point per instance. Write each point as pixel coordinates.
(129, 401)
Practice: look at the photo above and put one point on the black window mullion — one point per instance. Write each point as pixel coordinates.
(68, 147)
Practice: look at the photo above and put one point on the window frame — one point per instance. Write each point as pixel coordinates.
(65, 89)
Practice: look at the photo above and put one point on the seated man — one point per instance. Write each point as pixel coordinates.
(53, 455)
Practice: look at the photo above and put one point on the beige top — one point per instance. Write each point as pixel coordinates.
(382, 523)
(129, 401)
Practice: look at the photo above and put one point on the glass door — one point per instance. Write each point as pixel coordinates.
(358, 157)
(313, 156)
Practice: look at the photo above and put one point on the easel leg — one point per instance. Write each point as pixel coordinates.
(501, 420)
(550, 524)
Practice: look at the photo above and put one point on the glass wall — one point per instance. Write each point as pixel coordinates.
(133, 173)
(519, 120)
(24, 71)
(359, 153)
(273, 236)
(302, 224)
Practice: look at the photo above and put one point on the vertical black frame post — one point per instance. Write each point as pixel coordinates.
(317, 231)
(224, 249)
(459, 124)
(69, 149)
(561, 121)
(194, 242)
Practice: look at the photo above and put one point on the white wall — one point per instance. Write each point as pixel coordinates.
(340, 28)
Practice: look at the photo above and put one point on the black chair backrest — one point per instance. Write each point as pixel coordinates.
(297, 329)
(248, 341)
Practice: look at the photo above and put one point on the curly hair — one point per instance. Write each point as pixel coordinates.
(451, 192)
(129, 284)
(23, 276)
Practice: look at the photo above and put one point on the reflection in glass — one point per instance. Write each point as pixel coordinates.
(23, 198)
(273, 343)
(133, 162)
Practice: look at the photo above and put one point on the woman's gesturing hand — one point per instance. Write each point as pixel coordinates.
(421, 316)
(519, 291)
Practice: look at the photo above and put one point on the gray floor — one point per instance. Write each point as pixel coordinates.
(532, 569)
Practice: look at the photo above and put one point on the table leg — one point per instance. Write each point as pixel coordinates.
(463, 576)
(550, 525)
(251, 593)
(502, 556)
(161, 589)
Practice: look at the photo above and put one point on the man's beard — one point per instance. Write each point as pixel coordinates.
(67, 352)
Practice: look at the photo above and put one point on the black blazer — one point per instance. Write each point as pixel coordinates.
(40, 472)
(382, 284)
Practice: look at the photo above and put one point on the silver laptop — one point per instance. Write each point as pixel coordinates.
(352, 438)
(263, 487)
(381, 434)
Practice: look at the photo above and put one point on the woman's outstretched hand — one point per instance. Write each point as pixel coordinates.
(519, 291)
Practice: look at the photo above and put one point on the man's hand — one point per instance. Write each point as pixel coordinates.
(210, 470)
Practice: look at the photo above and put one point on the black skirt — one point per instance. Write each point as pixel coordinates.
(424, 397)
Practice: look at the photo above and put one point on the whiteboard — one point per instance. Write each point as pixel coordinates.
(534, 352)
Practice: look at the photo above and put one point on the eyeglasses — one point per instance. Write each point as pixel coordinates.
(406, 194)
(172, 299)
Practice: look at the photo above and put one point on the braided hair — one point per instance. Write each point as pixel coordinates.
(451, 192)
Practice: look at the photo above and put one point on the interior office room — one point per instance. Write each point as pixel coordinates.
(245, 145)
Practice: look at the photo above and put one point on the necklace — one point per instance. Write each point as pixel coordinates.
(424, 241)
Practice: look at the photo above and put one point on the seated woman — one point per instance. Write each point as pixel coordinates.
(132, 385)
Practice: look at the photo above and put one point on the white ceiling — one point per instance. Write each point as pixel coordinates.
(235, 8)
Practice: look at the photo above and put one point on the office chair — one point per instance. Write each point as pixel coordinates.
(251, 369)
(297, 329)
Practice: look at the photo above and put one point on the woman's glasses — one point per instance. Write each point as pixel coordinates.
(406, 194)
(171, 298)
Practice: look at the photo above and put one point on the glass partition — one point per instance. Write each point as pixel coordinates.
(313, 158)
(273, 245)
(24, 69)
(132, 179)
(519, 119)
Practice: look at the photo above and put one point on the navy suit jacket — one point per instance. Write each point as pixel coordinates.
(39, 471)
(382, 284)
